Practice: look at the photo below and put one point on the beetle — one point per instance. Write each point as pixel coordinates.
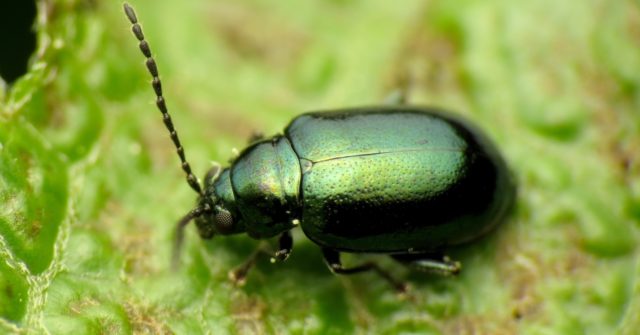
(399, 180)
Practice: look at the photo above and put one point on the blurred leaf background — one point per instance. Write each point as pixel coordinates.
(90, 188)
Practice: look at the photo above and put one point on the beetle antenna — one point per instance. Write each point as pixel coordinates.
(160, 102)
(179, 236)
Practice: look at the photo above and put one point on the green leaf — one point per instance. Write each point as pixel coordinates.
(90, 186)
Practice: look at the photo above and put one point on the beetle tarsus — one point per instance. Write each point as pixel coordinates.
(285, 245)
(332, 257)
(239, 274)
(430, 263)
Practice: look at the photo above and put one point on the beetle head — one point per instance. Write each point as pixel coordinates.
(214, 213)
(223, 217)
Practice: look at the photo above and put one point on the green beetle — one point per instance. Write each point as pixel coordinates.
(399, 180)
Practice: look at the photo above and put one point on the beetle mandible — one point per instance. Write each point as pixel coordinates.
(399, 180)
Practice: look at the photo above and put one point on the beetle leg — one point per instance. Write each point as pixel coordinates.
(332, 257)
(239, 274)
(256, 136)
(396, 97)
(285, 245)
(432, 263)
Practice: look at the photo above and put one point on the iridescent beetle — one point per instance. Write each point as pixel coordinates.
(400, 180)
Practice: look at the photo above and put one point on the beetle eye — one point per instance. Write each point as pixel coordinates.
(223, 221)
